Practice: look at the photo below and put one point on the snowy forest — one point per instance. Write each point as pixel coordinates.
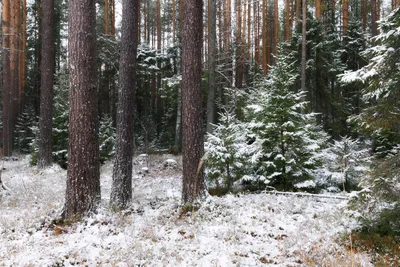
(200, 133)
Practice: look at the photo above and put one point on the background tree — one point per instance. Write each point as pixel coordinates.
(212, 17)
(47, 69)
(193, 146)
(121, 192)
(83, 176)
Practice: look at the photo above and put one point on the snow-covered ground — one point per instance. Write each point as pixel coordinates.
(234, 230)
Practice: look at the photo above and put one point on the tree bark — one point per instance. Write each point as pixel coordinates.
(83, 176)
(287, 20)
(364, 14)
(276, 27)
(121, 192)
(345, 12)
(256, 16)
(374, 25)
(212, 17)
(265, 32)
(304, 46)
(47, 68)
(318, 8)
(193, 188)
(7, 92)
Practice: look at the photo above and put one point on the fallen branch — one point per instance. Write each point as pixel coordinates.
(300, 194)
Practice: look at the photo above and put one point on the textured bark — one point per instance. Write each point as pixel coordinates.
(212, 17)
(248, 30)
(45, 157)
(345, 14)
(121, 192)
(7, 93)
(193, 188)
(318, 8)
(83, 176)
(14, 61)
(304, 46)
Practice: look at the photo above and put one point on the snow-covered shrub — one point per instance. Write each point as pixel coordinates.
(229, 154)
(377, 205)
(106, 138)
(345, 162)
(289, 137)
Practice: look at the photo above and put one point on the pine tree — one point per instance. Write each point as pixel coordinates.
(289, 137)
(121, 192)
(83, 176)
(192, 118)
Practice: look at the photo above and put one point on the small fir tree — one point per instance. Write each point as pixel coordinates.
(24, 133)
(289, 137)
(106, 138)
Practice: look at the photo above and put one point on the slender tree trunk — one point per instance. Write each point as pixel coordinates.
(212, 17)
(239, 45)
(193, 145)
(173, 20)
(345, 12)
(248, 30)
(22, 59)
(47, 68)
(106, 17)
(121, 192)
(257, 32)
(14, 60)
(276, 27)
(318, 8)
(83, 175)
(7, 92)
(364, 14)
(298, 3)
(265, 33)
(304, 47)
(287, 20)
(374, 25)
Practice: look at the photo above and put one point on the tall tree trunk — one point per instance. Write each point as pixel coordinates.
(22, 58)
(106, 17)
(276, 27)
(248, 30)
(304, 46)
(212, 17)
(256, 16)
(288, 25)
(364, 14)
(378, 13)
(121, 192)
(7, 92)
(47, 68)
(265, 33)
(374, 25)
(83, 175)
(173, 20)
(193, 188)
(14, 60)
(298, 4)
(345, 12)
(239, 60)
(318, 8)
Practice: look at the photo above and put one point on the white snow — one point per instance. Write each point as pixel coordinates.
(234, 230)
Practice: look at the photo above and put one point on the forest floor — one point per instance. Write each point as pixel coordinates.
(234, 230)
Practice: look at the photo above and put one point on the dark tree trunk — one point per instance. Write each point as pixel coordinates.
(83, 176)
(121, 192)
(47, 67)
(211, 64)
(7, 93)
(304, 46)
(374, 25)
(193, 144)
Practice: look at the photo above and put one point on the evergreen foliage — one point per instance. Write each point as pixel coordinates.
(24, 130)
(289, 138)
(378, 203)
(107, 136)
